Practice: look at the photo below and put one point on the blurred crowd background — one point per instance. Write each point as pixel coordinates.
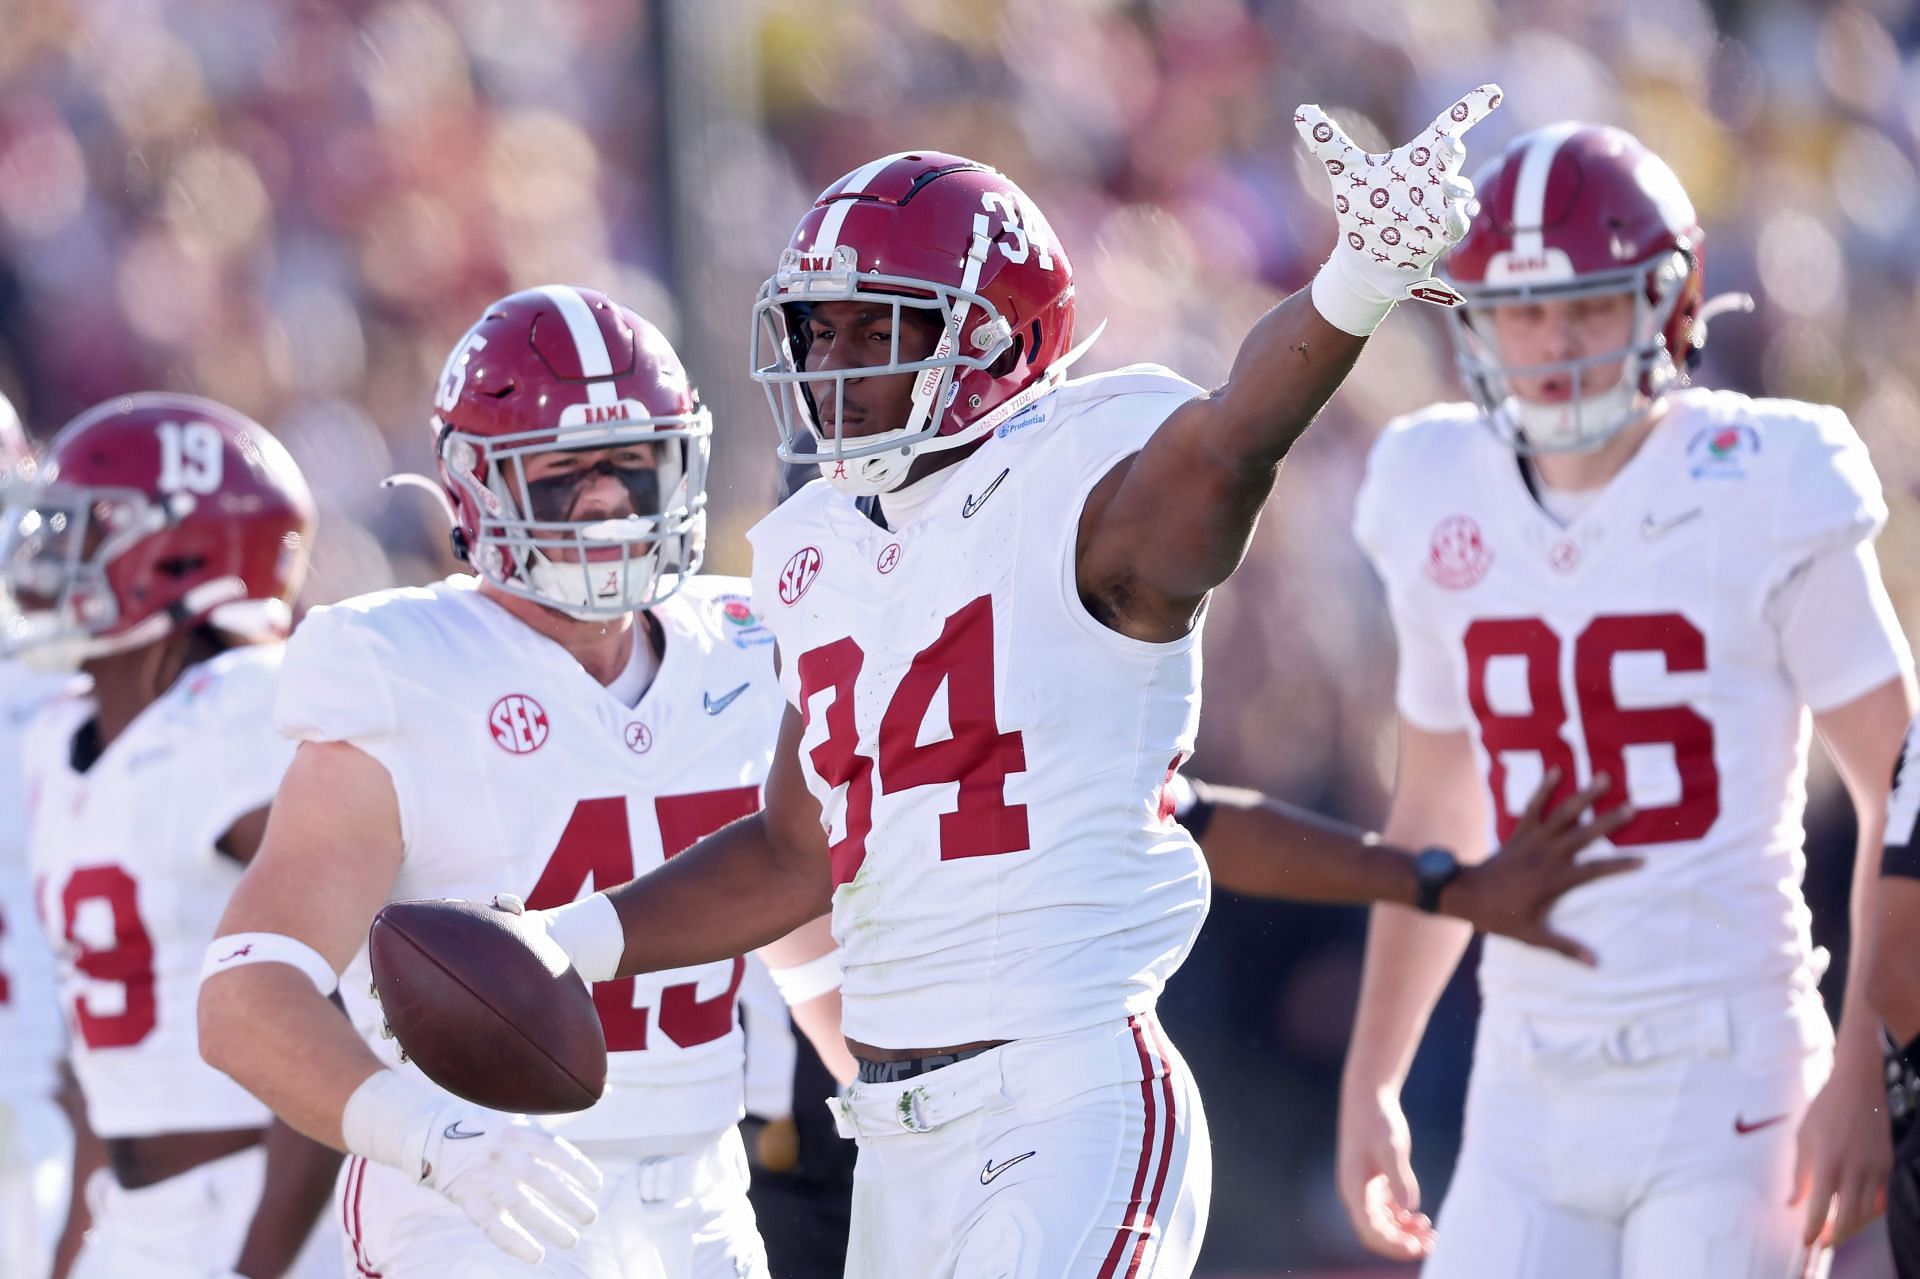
(296, 206)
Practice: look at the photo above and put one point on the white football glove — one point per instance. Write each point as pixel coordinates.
(523, 1186)
(1398, 213)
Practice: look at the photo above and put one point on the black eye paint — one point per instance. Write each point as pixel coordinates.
(553, 498)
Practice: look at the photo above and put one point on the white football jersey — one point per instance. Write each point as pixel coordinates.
(518, 772)
(1652, 639)
(988, 757)
(131, 885)
(31, 1042)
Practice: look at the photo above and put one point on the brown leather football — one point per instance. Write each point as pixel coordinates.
(487, 1011)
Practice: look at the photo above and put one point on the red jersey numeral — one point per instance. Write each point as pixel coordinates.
(1609, 728)
(127, 963)
(977, 755)
(596, 850)
(837, 758)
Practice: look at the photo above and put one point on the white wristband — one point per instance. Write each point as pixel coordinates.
(810, 980)
(1345, 301)
(237, 950)
(388, 1120)
(590, 933)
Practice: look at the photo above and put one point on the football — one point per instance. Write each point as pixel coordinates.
(488, 1010)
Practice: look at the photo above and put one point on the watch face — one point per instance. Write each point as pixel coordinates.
(1433, 869)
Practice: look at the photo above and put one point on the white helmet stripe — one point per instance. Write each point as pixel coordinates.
(1530, 188)
(829, 237)
(596, 362)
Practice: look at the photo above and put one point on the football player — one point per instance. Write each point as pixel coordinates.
(582, 709)
(156, 551)
(1894, 991)
(36, 1141)
(1593, 572)
(988, 613)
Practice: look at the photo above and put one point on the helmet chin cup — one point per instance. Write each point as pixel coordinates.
(875, 473)
(1574, 426)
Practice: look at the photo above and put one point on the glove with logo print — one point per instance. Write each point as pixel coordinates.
(520, 1184)
(1398, 212)
(524, 1187)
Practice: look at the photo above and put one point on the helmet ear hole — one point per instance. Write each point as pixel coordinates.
(462, 548)
(1033, 342)
(1009, 359)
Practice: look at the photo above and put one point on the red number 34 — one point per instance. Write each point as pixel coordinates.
(978, 755)
(1610, 728)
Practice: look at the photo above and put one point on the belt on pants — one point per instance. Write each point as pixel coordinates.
(892, 1072)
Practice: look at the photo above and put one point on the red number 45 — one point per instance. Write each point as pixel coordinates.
(596, 849)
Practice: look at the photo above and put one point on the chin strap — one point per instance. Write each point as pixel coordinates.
(1045, 384)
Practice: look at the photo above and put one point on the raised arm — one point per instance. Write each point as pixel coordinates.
(1173, 521)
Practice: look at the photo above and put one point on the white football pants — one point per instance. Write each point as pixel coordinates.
(682, 1216)
(36, 1165)
(1647, 1148)
(1079, 1156)
(188, 1226)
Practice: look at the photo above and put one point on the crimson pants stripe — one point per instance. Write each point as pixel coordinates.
(350, 1215)
(1166, 1147)
(1139, 1214)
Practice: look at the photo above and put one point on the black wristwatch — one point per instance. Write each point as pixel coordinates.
(1433, 870)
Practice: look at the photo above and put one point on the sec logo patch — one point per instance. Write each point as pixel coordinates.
(519, 724)
(1458, 557)
(801, 568)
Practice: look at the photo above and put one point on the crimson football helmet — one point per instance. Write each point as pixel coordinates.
(951, 238)
(555, 369)
(151, 513)
(1578, 210)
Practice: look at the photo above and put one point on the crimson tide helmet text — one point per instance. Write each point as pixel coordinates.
(961, 246)
(1573, 211)
(562, 369)
(151, 513)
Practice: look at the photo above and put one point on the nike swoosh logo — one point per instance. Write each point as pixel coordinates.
(1742, 1127)
(1651, 528)
(715, 705)
(452, 1132)
(988, 1173)
(975, 503)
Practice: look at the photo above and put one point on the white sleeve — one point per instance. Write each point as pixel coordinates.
(1827, 495)
(1424, 689)
(332, 687)
(250, 756)
(1839, 636)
